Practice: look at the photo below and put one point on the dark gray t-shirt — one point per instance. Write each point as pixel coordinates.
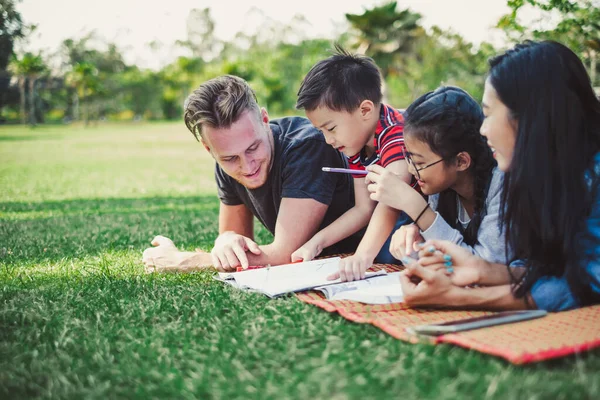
(300, 152)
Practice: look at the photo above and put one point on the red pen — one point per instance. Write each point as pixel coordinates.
(240, 269)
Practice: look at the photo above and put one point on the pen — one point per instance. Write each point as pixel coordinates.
(240, 269)
(345, 171)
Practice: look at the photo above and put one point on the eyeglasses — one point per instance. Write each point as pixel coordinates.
(410, 162)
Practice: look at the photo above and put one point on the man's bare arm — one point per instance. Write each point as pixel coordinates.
(298, 220)
(238, 219)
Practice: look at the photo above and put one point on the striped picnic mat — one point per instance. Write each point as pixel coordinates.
(556, 335)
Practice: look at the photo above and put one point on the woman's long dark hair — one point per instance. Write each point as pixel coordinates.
(448, 120)
(546, 195)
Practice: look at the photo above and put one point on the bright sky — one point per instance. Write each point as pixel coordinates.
(132, 24)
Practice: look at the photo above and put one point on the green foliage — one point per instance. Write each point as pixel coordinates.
(11, 29)
(80, 319)
(577, 25)
(385, 34)
(96, 82)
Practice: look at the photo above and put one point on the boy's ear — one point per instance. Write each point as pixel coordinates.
(463, 161)
(367, 108)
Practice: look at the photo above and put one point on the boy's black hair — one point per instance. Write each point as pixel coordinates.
(340, 82)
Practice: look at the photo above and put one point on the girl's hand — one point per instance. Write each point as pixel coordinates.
(386, 187)
(404, 241)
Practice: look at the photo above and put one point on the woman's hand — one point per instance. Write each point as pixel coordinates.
(428, 287)
(459, 264)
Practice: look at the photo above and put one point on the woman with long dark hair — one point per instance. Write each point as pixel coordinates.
(542, 122)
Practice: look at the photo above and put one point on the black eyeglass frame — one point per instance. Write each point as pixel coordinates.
(410, 162)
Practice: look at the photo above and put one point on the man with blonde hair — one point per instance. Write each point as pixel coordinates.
(268, 169)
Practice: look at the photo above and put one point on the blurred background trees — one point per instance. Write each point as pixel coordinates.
(87, 79)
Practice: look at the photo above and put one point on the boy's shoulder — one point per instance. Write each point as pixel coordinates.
(390, 118)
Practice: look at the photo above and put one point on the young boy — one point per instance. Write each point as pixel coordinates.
(342, 98)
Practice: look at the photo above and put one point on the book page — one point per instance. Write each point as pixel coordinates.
(274, 281)
(384, 289)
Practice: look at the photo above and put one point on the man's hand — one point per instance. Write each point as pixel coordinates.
(352, 268)
(230, 251)
(165, 257)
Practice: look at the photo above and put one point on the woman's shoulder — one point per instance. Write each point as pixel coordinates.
(496, 183)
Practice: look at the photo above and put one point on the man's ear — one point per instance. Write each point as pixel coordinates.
(463, 161)
(366, 108)
(264, 116)
(205, 145)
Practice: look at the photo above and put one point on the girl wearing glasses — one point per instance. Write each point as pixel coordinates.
(543, 125)
(454, 166)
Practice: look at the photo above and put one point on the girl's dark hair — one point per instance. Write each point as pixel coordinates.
(448, 120)
(546, 194)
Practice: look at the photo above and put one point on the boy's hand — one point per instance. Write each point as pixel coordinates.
(230, 251)
(352, 268)
(404, 241)
(308, 251)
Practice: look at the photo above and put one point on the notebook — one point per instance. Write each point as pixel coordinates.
(278, 280)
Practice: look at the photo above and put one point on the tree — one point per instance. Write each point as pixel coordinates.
(578, 26)
(84, 77)
(11, 29)
(28, 68)
(200, 29)
(384, 34)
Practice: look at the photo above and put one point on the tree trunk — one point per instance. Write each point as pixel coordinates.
(86, 106)
(32, 117)
(75, 114)
(23, 99)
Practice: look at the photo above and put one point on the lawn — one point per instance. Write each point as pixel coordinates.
(80, 319)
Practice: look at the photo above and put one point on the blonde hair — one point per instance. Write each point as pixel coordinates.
(218, 103)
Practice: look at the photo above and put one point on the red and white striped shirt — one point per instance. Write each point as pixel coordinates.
(388, 141)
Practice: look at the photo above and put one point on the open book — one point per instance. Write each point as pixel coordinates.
(383, 289)
(275, 281)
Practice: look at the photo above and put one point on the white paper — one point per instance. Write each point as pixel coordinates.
(275, 281)
(384, 289)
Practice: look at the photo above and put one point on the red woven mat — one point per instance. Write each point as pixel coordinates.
(555, 335)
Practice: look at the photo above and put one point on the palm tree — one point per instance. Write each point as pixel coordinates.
(28, 68)
(384, 33)
(84, 76)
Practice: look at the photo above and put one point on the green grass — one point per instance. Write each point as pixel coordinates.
(80, 319)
